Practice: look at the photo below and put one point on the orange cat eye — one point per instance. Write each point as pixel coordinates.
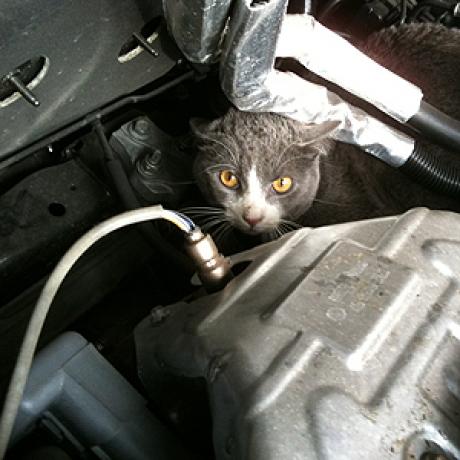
(228, 179)
(282, 184)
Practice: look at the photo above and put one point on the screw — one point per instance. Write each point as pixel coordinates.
(153, 159)
(159, 315)
(141, 127)
(149, 164)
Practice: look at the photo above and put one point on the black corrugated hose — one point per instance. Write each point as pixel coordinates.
(437, 126)
(433, 172)
(430, 170)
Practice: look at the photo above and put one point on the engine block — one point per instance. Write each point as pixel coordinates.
(340, 342)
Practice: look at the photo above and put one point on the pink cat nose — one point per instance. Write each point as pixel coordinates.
(252, 219)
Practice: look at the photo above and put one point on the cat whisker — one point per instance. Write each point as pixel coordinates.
(275, 232)
(211, 219)
(229, 231)
(173, 182)
(277, 164)
(205, 222)
(329, 162)
(300, 157)
(221, 144)
(212, 223)
(201, 208)
(217, 167)
(198, 215)
(205, 216)
(317, 200)
(204, 211)
(209, 207)
(217, 233)
(217, 154)
(292, 224)
(227, 228)
(284, 229)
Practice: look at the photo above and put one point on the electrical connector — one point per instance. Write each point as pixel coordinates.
(213, 268)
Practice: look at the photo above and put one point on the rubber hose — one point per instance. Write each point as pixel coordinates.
(426, 4)
(436, 126)
(432, 172)
(121, 184)
(128, 198)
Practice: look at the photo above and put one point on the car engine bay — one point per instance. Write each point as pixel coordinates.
(337, 342)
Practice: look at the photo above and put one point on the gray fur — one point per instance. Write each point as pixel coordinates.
(333, 182)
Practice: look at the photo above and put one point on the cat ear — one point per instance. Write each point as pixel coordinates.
(310, 133)
(202, 128)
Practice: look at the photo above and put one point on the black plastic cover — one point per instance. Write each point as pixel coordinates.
(81, 41)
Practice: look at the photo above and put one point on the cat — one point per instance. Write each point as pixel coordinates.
(266, 174)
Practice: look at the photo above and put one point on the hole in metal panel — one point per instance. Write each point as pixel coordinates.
(57, 209)
(31, 73)
(131, 48)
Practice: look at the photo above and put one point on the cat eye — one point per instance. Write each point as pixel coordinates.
(228, 179)
(282, 184)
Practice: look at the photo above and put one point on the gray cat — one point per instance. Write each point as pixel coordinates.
(265, 173)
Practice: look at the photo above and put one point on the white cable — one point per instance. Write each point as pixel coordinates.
(23, 364)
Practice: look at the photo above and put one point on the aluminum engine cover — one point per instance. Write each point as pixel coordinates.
(340, 342)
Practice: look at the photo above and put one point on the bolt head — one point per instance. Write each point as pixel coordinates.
(141, 127)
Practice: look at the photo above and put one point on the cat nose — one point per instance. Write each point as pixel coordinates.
(252, 218)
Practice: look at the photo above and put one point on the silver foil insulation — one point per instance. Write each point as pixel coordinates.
(257, 32)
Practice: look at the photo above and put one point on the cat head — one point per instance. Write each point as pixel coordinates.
(260, 168)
